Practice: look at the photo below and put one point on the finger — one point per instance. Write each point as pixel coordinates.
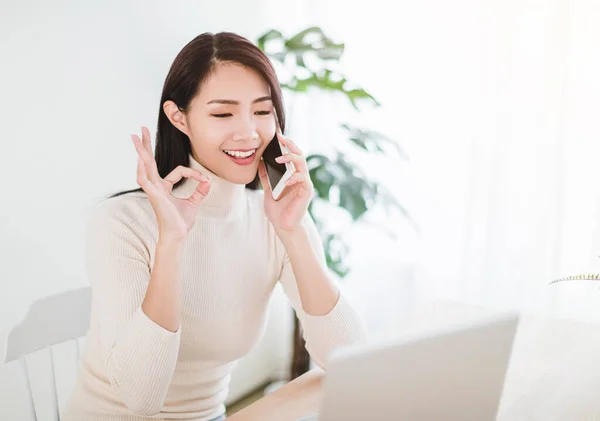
(200, 193)
(262, 174)
(299, 178)
(146, 140)
(147, 158)
(298, 160)
(143, 155)
(141, 173)
(143, 180)
(289, 143)
(180, 172)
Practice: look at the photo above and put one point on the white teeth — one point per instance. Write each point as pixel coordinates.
(239, 154)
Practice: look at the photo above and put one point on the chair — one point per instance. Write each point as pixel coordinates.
(49, 321)
(63, 317)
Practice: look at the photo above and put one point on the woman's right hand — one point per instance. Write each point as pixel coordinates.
(175, 216)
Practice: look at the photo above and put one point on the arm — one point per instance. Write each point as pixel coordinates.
(162, 302)
(136, 309)
(327, 318)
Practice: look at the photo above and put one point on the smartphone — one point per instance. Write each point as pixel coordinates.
(277, 173)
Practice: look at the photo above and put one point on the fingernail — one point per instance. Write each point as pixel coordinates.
(279, 159)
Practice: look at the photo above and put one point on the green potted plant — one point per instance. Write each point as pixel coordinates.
(339, 182)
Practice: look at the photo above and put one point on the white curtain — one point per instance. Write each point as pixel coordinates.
(497, 104)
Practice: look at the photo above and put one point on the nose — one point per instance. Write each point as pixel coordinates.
(245, 131)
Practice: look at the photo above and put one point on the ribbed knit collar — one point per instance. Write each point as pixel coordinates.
(224, 200)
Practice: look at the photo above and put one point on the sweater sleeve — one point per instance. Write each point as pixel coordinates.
(139, 355)
(341, 326)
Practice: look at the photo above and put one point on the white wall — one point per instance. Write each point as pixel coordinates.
(76, 79)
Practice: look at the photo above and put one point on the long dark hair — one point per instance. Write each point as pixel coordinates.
(189, 69)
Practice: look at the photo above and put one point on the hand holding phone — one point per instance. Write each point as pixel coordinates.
(277, 174)
(284, 171)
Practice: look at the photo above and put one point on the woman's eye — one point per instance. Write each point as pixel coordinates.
(225, 115)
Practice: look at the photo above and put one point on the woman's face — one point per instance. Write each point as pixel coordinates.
(231, 115)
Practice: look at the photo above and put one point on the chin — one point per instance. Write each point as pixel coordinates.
(246, 178)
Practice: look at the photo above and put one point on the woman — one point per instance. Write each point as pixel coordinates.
(182, 269)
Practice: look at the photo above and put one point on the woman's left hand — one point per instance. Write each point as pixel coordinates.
(287, 212)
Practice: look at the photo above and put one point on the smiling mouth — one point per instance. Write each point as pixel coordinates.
(242, 158)
(240, 154)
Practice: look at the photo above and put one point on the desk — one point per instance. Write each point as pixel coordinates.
(553, 375)
(291, 402)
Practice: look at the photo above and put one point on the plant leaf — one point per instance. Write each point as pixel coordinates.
(372, 141)
(582, 276)
(325, 80)
(313, 39)
(355, 95)
(335, 255)
(267, 37)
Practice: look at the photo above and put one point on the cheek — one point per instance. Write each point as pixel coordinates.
(266, 129)
(212, 135)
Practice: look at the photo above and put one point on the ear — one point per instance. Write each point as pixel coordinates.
(176, 116)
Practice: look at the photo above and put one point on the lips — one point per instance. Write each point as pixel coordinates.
(242, 161)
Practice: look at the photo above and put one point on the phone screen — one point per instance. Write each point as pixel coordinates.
(275, 170)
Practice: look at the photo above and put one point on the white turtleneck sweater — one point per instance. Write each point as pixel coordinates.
(133, 369)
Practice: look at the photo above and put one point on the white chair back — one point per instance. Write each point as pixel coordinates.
(50, 321)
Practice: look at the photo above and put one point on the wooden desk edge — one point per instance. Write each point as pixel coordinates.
(296, 399)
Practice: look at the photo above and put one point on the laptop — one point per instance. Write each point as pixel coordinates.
(451, 373)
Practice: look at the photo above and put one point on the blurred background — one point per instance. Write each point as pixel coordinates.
(478, 121)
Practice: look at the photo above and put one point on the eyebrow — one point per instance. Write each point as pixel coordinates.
(234, 102)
